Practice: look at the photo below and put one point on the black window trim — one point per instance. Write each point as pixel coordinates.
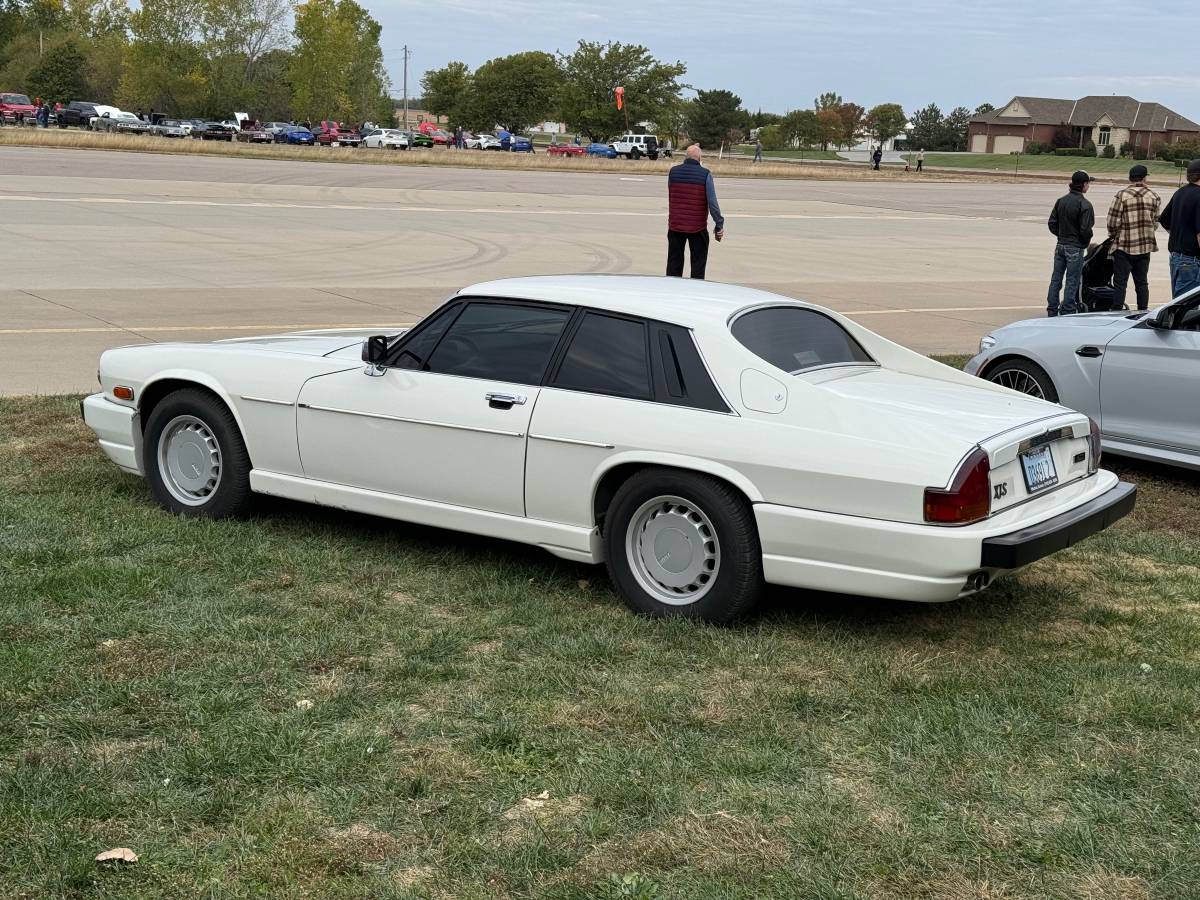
(874, 363)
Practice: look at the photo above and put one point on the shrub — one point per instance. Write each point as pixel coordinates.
(1090, 147)
(1126, 149)
(1073, 151)
(1110, 152)
(1033, 148)
(1140, 153)
(1161, 151)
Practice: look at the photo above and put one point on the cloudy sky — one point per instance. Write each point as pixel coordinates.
(777, 55)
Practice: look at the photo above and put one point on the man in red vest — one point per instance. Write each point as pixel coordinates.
(691, 200)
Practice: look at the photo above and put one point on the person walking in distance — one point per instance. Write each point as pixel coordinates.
(877, 157)
(1182, 219)
(758, 149)
(1071, 221)
(691, 199)
(921, 160)
(1132, 218)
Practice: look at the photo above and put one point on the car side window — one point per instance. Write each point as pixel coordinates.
(415, 350)
(503, 342)
(794, 339)
(607, 355)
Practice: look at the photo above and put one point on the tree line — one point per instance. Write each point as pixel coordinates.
(320, 59)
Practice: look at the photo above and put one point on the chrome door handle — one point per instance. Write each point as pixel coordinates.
(505, 401)
(1089, 352)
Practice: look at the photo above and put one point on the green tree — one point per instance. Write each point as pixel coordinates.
(336, 67)
(928, 128)
(716, 118)
(589, 75)
(164, 65)
(773, 137)
(800, 128)
(828, 100)
(984, 108)
(447, 91)
(59, 76)
(955, 129)
(760, 118)
(885, 121)
(514, 91)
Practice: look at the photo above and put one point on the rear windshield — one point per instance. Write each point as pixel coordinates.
(795, 339)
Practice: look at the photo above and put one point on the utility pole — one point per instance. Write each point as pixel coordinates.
(407, 54)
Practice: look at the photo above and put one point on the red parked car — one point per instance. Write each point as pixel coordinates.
(557, 149)
(329, 134)
(16, 107)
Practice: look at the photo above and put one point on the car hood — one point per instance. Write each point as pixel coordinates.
(344, 343)
(1119, 319)
(923, 414)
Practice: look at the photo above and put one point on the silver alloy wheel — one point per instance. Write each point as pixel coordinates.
(1019, 381)
(189, 460)
(672, 549)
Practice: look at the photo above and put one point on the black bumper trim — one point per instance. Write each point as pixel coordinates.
(1020, 548)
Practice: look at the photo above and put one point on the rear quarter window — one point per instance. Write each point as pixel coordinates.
(795, 339)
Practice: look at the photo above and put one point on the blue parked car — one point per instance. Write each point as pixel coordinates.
(601, 150)
(295, 136)
(521, 144)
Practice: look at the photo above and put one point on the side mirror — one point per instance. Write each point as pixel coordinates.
(374, 352)
(1163, 320)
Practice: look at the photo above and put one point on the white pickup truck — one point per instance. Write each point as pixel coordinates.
(635, 146)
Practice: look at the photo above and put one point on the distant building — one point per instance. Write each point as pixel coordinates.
(1105, 120)
(416, 117)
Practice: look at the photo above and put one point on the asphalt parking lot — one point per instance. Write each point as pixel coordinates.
(104, 249)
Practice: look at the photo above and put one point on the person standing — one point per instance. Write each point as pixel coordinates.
(1182, 219)
(921, 160)
(758, 149)
(1132, 218)
(1071, 221)
(505, 139)
(691, 199)
(877, 157)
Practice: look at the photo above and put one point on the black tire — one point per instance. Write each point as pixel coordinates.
(1025, 377)
(738, 581)
(231, 494)
(636, 154)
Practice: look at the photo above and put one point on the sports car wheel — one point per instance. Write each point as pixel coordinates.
(1024, 377)
(196, 461)
(683, 544)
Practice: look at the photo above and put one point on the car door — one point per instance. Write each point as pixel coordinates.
(1150, 379)
(446, 420)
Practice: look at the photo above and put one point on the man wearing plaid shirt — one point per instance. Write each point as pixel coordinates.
(1132, 219)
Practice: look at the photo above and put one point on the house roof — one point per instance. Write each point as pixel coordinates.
(1123, 111)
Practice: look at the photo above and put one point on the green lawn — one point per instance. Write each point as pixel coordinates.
(793, 154)
(1164, 172)
(317, 704)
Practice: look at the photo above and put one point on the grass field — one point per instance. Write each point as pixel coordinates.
(318, 704)
(794, 154)
(1161, 172)
(468, 159)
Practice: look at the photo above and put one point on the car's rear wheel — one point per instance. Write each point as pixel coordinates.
(683, 544)
(196, 461)
(1024, 377)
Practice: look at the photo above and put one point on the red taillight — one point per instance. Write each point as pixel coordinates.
(1094, 446)
(969, 497)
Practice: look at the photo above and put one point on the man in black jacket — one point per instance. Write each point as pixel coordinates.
(1071, 221)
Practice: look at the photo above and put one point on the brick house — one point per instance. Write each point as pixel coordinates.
(1102, 119)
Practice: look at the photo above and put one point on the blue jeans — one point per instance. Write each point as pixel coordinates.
(1185, 273)
(1068, 261)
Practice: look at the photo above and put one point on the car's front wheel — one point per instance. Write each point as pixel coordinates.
(196, 461)
(1025, 377)
(683, 544)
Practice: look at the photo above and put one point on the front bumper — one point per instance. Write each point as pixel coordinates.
(117, 428)
(1020, 548)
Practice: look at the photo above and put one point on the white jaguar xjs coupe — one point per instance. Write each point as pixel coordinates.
(701, 439)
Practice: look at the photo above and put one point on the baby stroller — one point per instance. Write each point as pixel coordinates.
(1097, 294)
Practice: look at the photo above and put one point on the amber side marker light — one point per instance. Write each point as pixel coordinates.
(969, 497)
(123, 393)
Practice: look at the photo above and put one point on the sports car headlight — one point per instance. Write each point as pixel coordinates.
(987, 342)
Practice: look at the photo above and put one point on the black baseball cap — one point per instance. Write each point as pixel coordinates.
(1138, 172)
(1080, 177)
(1194, 167)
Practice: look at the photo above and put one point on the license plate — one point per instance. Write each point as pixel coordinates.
(1038, 466)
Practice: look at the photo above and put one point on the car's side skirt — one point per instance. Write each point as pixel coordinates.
(565, 541)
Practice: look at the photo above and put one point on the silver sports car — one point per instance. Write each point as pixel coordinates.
(1136, 373)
